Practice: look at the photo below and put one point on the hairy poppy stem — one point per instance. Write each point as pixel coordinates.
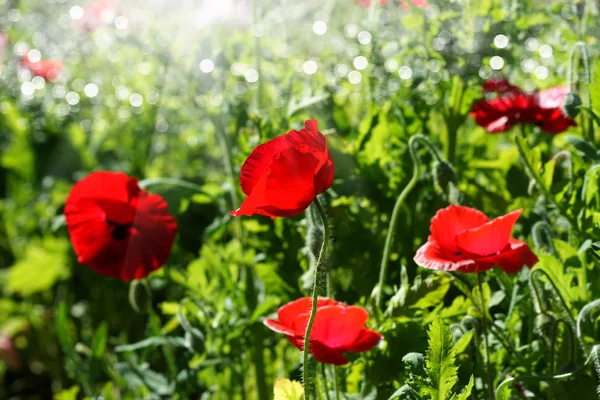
(490, 380)
(553, 378)
(583, 57)
(389, 240)
(325, 385)
(309, 386)
(538, 180)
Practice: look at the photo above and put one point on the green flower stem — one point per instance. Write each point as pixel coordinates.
(490, 381)
(336, 385)
(538, 180)
(325, 385)
(551, 378)
(583, 56)
(146, 183)
(562, 301)
(309, 387)
(389, 240)
(554, 338)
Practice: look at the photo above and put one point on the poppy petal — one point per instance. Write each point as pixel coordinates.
(279, 328)
(490, 237)
(287, 187)
(336, 326)
(325, 354)
(366, 340)
(512, 259)
(258, 162)
(431, 256)
(290, 311)
(552, 97)
(450, 221)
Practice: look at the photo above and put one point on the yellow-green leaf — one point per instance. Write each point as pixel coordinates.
(285, 389)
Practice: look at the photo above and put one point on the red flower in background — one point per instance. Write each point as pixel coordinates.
(283, 176)
(96, 14)
(416, 3)
(463, 239)
(47, 69)
(116, 228)
(337, 329)
(512, 106)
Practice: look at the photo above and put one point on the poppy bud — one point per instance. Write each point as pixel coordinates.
(571, 105)
(579, 8)
(415, 363)
(443, 175)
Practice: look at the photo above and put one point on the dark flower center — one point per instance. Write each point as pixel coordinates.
(119, 231)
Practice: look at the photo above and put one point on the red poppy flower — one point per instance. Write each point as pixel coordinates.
(463, 239)
(337, 329)
(512, 106)
(116, 228)
(283, 176)
(47, 69)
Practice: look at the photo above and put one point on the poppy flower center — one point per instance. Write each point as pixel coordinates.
(119, 231)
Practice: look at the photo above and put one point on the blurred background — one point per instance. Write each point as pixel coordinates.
(186, 89)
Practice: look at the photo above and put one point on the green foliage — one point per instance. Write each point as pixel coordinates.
(194, 328)
(435, 375)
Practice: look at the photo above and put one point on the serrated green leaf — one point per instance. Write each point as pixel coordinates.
(142, 375)
(440, 361)
(421, 295)
(467, 392)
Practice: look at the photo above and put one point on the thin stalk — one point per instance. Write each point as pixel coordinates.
(336, 386)
(490, 381)
(325, 385)
(562, 301)
(309, 388)
(389, 240)
(586, 70)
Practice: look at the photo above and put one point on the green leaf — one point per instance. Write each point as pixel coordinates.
(567, 284)
(421, 295)
(142, 375)
(440, 360)
(583, 147)
(285, 389)
(154, 341)
(99, 341)
(43, 265)
(548, 174)
(67, 394)
(467, 392)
